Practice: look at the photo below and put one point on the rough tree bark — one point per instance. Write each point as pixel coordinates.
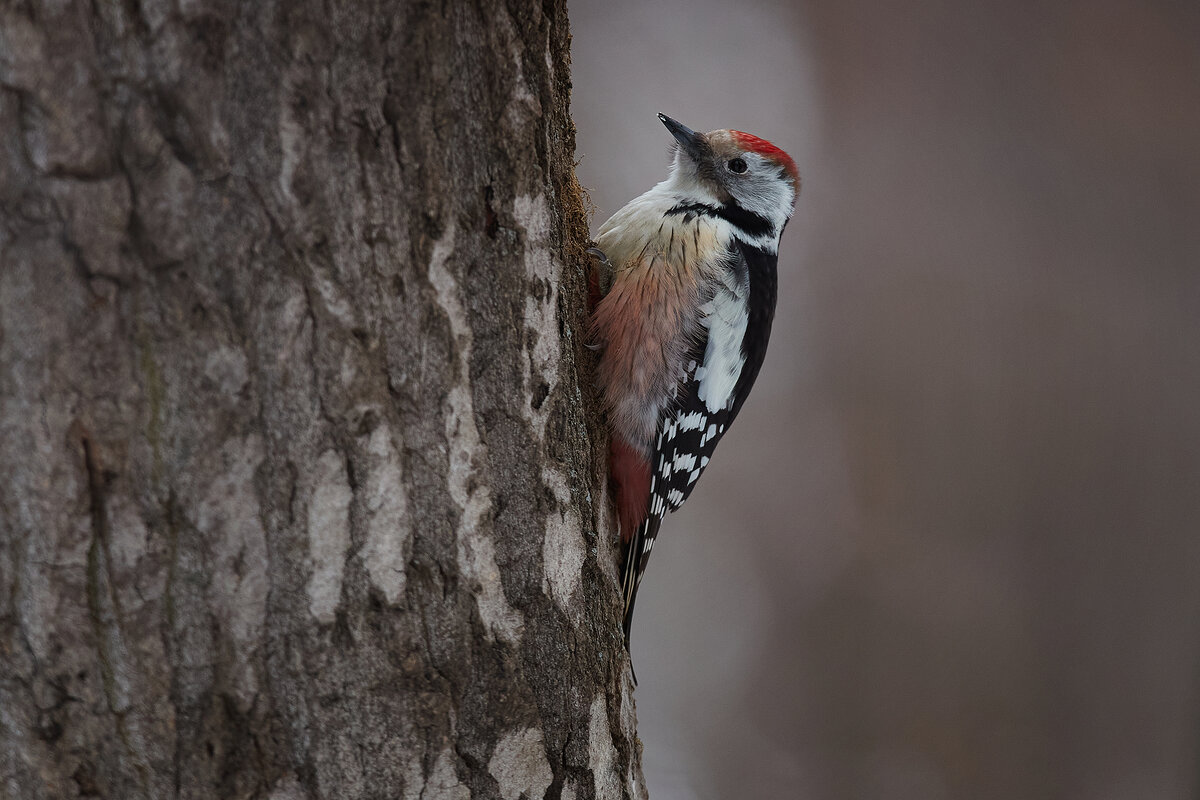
(299, 492)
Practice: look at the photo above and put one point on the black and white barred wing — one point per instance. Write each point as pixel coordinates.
(685, 445)
(689, 431)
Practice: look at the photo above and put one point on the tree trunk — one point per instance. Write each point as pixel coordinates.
(301, 493)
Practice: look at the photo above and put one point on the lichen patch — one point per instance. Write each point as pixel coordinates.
(563, 548)
(520, 766)
(328, 535)
(389, 532)
(602, 753)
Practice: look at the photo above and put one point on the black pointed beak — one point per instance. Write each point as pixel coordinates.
(694, 144)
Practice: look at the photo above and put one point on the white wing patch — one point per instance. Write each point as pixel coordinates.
(726, 316)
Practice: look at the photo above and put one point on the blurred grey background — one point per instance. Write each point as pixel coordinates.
(951, 548)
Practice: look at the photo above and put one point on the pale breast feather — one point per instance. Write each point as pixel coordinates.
(651, 315)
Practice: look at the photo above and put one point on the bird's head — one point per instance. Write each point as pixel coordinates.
(734, 168)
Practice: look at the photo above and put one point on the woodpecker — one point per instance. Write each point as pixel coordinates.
(687, 281)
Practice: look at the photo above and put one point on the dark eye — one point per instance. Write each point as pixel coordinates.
(737, 165)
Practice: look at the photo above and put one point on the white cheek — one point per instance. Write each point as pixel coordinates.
(771, 200)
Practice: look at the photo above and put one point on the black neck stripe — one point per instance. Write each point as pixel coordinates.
(747, 222)
(691, 208)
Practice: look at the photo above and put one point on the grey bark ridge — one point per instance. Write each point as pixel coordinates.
(303, 492)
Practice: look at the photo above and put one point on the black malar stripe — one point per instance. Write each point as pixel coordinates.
(753, 225)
